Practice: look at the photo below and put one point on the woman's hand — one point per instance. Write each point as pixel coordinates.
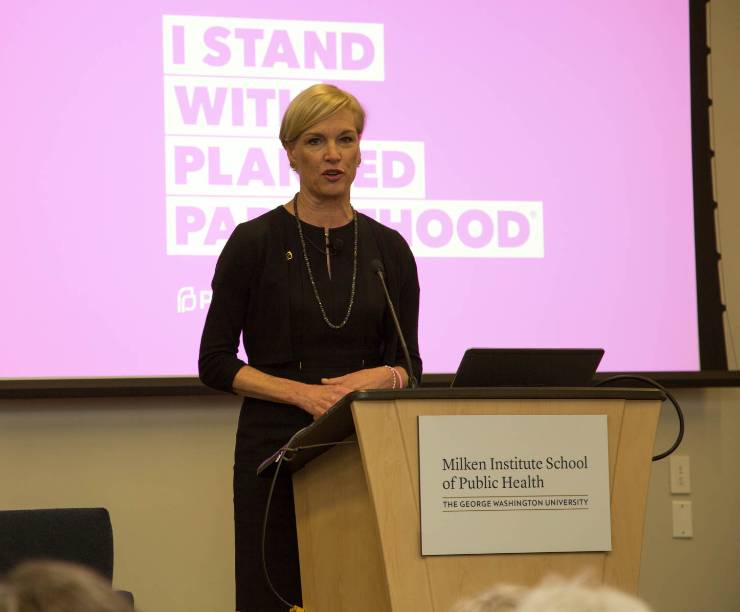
(362, 380)
(314, 399)
(317, 399)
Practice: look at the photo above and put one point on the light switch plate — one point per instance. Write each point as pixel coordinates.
(680, 474)
(683, 524)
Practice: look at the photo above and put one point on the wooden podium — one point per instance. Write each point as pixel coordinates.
(357, 504)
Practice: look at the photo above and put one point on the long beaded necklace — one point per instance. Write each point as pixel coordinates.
(310, 273)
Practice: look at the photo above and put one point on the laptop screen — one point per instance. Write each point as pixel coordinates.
(522, 367)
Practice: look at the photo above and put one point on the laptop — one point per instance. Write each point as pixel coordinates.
(523, 367)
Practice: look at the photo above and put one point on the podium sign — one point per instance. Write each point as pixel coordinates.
(514, 484)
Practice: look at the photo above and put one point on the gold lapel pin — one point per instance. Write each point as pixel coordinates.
(288, 255)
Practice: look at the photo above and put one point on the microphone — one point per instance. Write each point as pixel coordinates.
(336, 245)
(377, 267)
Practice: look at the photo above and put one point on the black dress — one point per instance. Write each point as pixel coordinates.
(316, 351)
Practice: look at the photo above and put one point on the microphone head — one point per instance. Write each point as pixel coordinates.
(377, 266)
(336, 245)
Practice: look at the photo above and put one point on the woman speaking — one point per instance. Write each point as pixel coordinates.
(299, 286)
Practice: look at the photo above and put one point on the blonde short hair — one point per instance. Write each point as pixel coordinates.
(315, 104)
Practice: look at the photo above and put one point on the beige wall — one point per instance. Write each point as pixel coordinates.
(161, 466)
(701, 573)
(724, 62)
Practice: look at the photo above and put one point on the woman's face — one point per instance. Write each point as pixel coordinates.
(326, 156)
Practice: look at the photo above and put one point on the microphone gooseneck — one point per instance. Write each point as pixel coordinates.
(377, 267)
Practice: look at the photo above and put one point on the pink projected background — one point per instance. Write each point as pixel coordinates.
(537, 156)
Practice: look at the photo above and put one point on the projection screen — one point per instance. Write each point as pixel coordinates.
(536, 155)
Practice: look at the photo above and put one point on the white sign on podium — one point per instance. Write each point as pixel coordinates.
(514, 484)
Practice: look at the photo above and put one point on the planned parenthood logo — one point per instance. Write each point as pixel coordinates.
(190, 299)
(227, 83)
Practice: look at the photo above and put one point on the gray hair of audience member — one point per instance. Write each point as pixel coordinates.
(57, 586)
(501, 598)
(553, 595)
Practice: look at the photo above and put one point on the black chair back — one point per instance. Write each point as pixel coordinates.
(79, 535)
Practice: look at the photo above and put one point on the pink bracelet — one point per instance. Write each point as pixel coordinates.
(400, 380)
(395, 375)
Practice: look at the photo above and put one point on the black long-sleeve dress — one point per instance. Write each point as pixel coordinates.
(262, 291)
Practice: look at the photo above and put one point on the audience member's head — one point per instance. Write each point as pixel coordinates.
(501, 598)
(553, 595)
(56, 586)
